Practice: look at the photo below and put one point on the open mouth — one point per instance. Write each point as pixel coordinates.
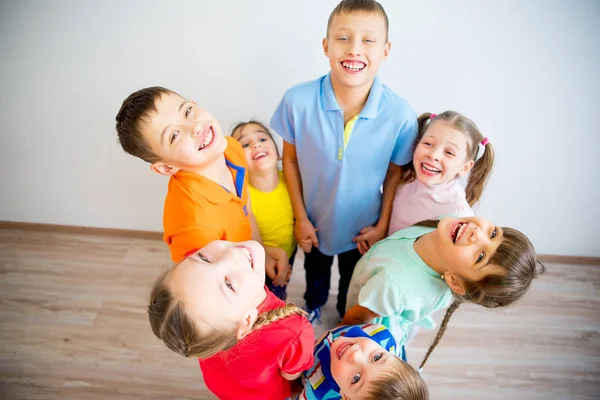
(342, 350)
(458, 230)
(208, 139)
(248, 255)
(260, 155)
(430, 169)
(354, 66)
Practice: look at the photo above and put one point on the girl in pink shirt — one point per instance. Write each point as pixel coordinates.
(215, 306)
(449, 145)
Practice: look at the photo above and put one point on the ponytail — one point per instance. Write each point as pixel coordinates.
(479, 173)
(455, 304)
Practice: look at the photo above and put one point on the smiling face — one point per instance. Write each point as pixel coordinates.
(355, 362)
(441, 155)
(259, 147)
(221, 284)
(183, 135)
(465, 246)
(356, 44)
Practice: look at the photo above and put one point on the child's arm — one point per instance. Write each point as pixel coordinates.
(358, 315)
(372, 234)
(304, 230)
(277, 264)
(291, 377)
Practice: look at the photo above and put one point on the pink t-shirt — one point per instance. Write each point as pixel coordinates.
(416, 202)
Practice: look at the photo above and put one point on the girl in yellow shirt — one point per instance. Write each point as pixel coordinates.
(269, 197)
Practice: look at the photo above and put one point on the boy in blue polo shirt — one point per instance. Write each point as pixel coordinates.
(345, 134)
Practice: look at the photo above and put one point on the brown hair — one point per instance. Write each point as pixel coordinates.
(240, 125)
(400, 382)
(479, 174)
(133, 110)
(516, 256)
(172, 324)
(355, 6)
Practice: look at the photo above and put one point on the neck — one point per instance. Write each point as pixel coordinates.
(351, 99)
(426, 247)
(260, 298)
(216, 171)
(265, 181)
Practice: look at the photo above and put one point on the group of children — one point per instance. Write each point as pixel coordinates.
(363, 179)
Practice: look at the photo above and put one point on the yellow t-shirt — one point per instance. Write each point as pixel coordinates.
(275, 217)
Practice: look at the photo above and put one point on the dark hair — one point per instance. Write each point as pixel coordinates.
(365, 6)
(240, 125)
(482, 168)
(400, 382)
(516, 256)
(133, 110)
(172, 324)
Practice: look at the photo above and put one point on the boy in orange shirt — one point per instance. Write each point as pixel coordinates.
(207, 197)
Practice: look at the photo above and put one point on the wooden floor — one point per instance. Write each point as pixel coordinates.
(73, 325)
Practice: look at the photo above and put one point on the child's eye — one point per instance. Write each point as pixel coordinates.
(245, 145)
(377, 357)
(262, 140)
(174, 136)
(481, 256)
(188, 111)
(450, 153)
(201, 256)
(369, 41)
(229, 285)
(426, 144)
(343, 38)
(494, 233)
(355, 379)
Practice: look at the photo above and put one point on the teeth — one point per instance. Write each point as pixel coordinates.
(259, 155)
(430, 169)
(461, 227)
(344, 349)
(354, 66)
(248, 256)
(207, 140)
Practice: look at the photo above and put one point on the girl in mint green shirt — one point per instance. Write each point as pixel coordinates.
(403, 279)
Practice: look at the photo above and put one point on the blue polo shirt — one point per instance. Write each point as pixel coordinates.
(341, 182)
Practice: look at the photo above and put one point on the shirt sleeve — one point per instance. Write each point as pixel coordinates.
(405, 141)
(380, 296)
(298, 356)
(183, 243)
(282, 121)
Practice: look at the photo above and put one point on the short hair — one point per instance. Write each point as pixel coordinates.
(365, 6)
(133, 110)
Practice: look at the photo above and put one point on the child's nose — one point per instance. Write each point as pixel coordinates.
(255, 145)
(355, 48)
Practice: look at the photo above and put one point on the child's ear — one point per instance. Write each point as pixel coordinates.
(386, 50)
(326, 47)
(455, 283)
(466, 168)
(247, 323)
(163, 169)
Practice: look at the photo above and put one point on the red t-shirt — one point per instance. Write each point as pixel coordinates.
(252, 368)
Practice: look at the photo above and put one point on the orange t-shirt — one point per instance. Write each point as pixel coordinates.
(199, 210)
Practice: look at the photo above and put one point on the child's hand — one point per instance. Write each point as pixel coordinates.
(277, 266)
(367, 237)
(306, 235)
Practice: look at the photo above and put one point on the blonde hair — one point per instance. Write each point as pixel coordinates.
(365, 6)
(517, 258)
(400, 382)
(172, 324)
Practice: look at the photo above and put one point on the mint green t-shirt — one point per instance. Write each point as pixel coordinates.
(394, 282)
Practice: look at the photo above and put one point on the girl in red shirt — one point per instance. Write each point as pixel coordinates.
(214, 306)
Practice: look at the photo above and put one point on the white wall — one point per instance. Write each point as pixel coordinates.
(525, 71)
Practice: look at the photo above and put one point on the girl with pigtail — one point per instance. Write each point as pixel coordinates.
(449, 146)
(403, 279)
(215, 306)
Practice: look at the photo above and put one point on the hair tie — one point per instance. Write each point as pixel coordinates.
(481, 148)
(432, 116)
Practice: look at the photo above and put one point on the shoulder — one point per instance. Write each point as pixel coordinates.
(411, 233)
(397, 106)
(303, 91)
(234, 152)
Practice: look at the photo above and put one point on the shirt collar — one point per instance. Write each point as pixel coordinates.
(371, 106)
